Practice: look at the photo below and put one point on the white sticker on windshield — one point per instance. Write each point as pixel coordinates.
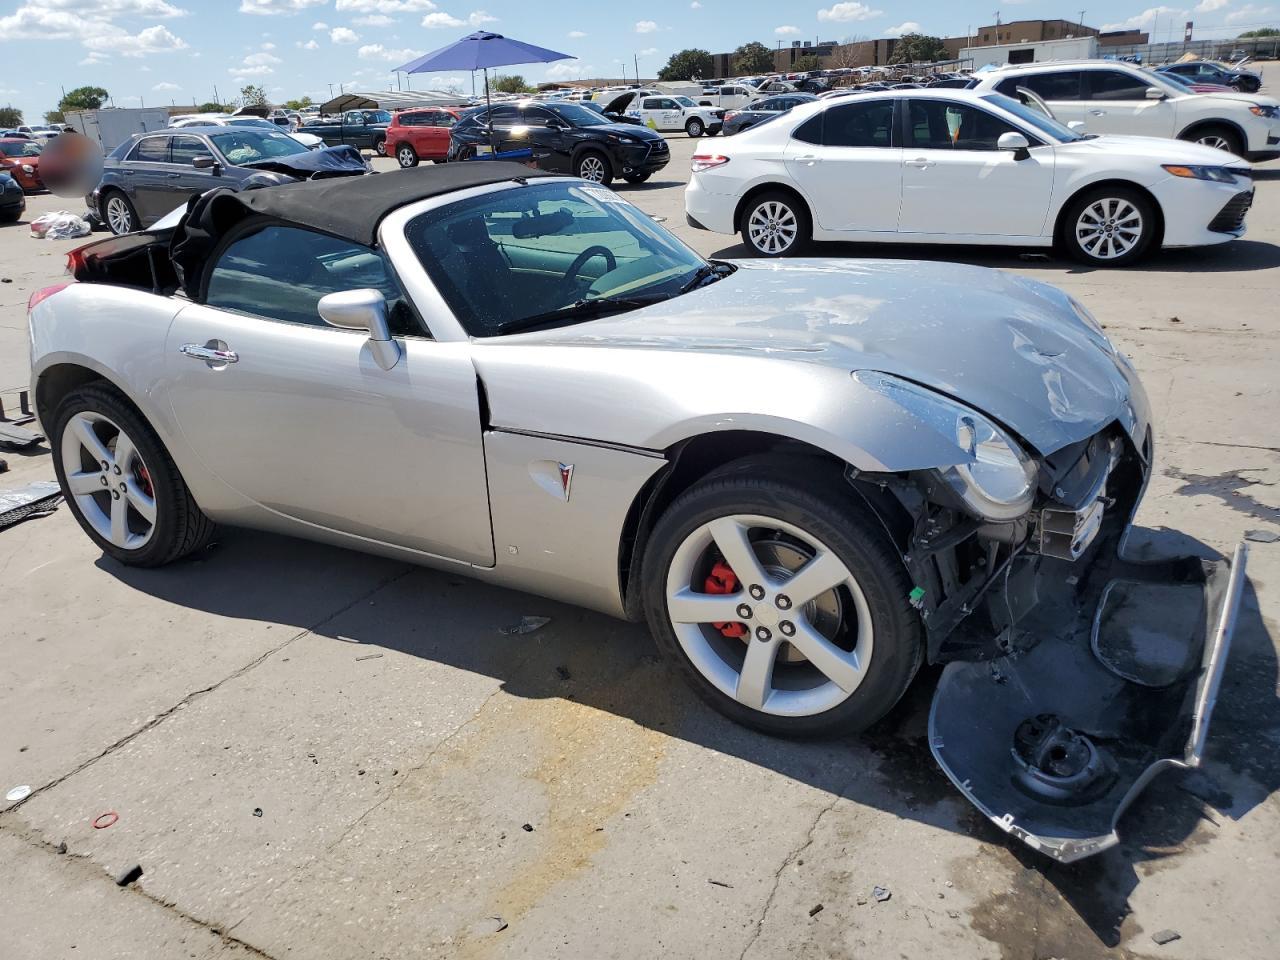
(603, 194)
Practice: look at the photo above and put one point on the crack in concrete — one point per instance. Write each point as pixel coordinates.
(790, 859)
(1231, 446)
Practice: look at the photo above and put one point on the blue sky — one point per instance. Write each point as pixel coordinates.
(158, 51)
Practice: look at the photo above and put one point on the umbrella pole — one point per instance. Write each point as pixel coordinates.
(489, 110)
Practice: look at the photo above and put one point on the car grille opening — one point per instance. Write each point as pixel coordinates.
(1230, 218)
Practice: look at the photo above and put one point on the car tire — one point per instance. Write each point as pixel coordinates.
(1109, 226)
(406, 156)
(380, 146)
(776, 224)
(637, 177)
(119, 214)
(147, 481)
(867, 614)
(1216, 135)
(712, 132)
(594, 166)
(695, 128)
(13, 217)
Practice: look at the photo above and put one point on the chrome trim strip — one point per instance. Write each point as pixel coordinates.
(584, 441)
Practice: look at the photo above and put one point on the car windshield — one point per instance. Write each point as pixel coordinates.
(377, 116)
(21, 148)
(524, 252)
(251, 122)
(576, 114)
(684, 101)
(1030, 115)
(249, 146)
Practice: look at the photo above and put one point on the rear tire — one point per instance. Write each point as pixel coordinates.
(160, 520)
(118, 213)
(1109, 226)
(637, 177)
(1220, 137)
(867, 614)
(406, 156)
(775, 224)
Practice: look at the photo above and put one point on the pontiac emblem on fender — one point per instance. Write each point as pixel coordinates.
(566, 479)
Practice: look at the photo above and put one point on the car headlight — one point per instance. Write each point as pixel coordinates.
(1216, 174)
(992, 477)
(622, 138)
(1262, 110)
(28, 168)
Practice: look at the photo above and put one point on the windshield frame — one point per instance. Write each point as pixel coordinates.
(1047, 127)
(576, 113)
(215, 137)
(428, 298)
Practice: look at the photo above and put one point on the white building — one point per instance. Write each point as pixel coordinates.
(1072, 48)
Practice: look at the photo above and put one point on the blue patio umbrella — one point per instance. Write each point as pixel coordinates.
(480, 51)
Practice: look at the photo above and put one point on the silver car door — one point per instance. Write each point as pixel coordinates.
(300, 419)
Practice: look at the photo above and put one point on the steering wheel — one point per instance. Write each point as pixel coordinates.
(580, 261)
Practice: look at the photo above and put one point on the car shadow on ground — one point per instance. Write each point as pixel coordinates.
(612, 666)
(1237, 256)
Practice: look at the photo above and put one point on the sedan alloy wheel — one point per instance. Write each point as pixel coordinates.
(1110, 228)
(111, 484)
(773, 228)
(119, 214)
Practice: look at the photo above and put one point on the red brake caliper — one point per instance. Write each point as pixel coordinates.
(724, 580)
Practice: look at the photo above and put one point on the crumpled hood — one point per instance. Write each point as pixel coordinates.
(1010, 347)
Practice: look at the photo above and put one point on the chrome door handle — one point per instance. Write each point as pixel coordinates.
(809, 158)
(209, 354)
(920, 163)
(173, 176)
(1098, 113)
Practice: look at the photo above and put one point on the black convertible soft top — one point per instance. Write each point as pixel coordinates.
(347, 207)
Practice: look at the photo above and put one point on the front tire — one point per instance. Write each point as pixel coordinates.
(694, 128)
(120, 483)
(406, 156)
(1109, 226)
(1219, 137)
(592, 165)
(775, 224)
(808, 629)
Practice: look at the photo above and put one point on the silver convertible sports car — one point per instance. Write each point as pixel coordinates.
(810, 477)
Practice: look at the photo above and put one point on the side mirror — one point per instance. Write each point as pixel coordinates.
(1015, 143)
(362, 310)
(203, 162)
(1154, 93)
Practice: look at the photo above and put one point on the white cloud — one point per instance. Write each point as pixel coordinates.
(1208, 6)
(648, 52)
(261, 59)
(478, 18)
(268, 46)
(343, 35)
(1251, 13)
(437, 21)
(376, 51)
(309, 45)
(786, 31)
(319, 25)
(241, 73)
(374, 20)
(568, 70)
(843, 12)
(151, 40)
(908, 26)
(576, 34)
(1144, 19)
(268, 8)
(646, 26)
(165, 85)
(109, 9)
(383, 6)
(695, 5)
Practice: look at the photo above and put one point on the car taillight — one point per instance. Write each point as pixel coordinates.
(707, 161)
(44, 293)
(731, 114)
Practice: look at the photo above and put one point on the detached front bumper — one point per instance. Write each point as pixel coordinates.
(1108, 675)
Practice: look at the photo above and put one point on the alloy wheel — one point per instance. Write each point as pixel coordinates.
(1216, 141)
(591, 168)
(792, 634)
(119, 218)
(1109, 227)
(405, 156)
(108, 480)
(695, 128)
(773, 227)
(380, 148)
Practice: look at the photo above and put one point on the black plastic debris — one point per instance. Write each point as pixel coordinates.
(37, 499)
(720, 883)
(815, 910)
(129, 875)
(526, 625)
(527, 828)
(257, 811)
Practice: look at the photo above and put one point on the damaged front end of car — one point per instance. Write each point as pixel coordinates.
(1074, 674)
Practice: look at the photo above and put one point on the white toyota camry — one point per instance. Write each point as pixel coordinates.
(955, 166)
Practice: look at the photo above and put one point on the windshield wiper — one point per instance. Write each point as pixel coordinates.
(580, 310)
(705, 273)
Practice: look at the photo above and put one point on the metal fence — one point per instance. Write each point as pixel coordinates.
(1267, 48)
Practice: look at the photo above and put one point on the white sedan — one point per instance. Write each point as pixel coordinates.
(954, 166)
(310, 141)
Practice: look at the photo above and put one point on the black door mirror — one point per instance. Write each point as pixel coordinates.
(204, 162)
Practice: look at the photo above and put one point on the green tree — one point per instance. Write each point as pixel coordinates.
(917, 48)
(54, 116)
(1259, 33)
(10, 117)
(514, 83)
(690, 64)
(299, 104)
(253, 96)
(753, 57)
(211, 107)
(807, 62)
(83, 98)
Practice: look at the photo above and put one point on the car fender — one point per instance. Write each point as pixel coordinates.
(1216, 120)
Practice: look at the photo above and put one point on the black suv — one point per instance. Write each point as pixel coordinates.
(565, 138)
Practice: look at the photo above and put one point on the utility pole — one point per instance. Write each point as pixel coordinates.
(635, 60)
(331, 91)
(216, 99)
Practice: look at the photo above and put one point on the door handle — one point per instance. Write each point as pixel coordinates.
(920, 163)
(173, 176)
(208, 354)
(1098, 113)
(809, 158)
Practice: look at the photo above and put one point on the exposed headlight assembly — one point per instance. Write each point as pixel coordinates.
(1216, 174)
(992, 477)
(1265, 110)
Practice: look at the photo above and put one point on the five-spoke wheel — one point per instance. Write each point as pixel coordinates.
(109, 480)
